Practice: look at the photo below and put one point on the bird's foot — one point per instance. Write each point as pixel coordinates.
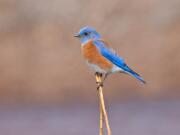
(98, 74)
(99, 84)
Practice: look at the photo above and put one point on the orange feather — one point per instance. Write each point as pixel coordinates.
(91, 53)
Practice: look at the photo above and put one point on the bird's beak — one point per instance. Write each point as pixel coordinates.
(77, 35)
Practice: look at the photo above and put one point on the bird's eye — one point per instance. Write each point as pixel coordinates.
(86, 33)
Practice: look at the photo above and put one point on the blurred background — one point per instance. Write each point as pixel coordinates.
(41, 84)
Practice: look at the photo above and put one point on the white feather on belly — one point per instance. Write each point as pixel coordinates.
(96, 68)
(103, 71)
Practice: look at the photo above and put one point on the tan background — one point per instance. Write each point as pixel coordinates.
(40, 61)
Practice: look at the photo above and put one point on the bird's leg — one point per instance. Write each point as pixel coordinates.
(105, 76)
(99, 83)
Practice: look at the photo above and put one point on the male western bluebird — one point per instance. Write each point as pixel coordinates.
(100, 56)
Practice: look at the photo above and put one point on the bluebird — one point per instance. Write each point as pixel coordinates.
(100, 56)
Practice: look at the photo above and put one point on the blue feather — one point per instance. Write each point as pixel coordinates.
(110, 54)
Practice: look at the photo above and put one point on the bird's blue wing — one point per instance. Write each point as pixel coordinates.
(110, 54)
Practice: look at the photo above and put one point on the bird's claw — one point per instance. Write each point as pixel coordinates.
(100, 84)
(98, 74)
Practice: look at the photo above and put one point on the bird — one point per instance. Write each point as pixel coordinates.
(100, 56)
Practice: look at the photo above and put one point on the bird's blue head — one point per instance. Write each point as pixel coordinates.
(87, 33)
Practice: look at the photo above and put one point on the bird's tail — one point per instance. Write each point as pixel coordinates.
(136, 75)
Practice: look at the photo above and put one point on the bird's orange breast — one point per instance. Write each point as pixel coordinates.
(92, 55)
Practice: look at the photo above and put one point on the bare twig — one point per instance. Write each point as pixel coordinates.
(100, 110)
(102, 107)
(100, 120)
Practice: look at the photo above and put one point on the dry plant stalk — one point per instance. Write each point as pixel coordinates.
(100, 120)
(103, 113)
